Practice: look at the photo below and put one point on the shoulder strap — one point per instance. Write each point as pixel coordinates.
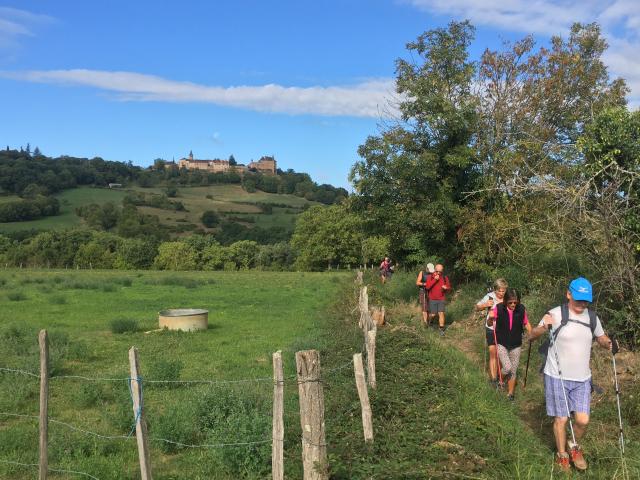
(593, 320)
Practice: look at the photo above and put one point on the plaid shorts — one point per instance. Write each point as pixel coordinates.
(578, 396)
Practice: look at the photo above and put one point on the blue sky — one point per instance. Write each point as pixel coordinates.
(303, 81)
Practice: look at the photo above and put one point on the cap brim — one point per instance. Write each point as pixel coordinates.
(430, 267)
(581, 297)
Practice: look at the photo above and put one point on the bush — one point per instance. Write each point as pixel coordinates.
(57, 300)
(176, 424)
(16, 296)
(227, 416)
(210, 219)
(122, 325)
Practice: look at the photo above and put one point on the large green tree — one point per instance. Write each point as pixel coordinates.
(411, 180)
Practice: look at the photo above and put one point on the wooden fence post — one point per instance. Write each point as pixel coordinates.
(277, 445)
(359, 279)
(43, 341)
(138, 415)
(314, 448)
(363, 394)
(371, 357)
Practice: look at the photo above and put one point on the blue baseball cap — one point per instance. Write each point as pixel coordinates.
(581, 289)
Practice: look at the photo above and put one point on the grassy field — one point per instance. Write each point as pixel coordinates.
(252, 314)
(227, 200)
(69, 201)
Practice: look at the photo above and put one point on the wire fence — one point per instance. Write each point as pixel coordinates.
(290, 382)
(325, 378)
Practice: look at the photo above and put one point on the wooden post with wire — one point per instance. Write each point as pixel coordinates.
(138, 415)
(371, 357)
(277, 445)
(43, 465)
(363, 394)
(314, 447)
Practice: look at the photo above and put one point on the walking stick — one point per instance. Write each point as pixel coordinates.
(495, 339)
(614, 349)
(526, 370)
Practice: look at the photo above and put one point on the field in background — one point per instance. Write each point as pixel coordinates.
(252, 314)
(227, 200)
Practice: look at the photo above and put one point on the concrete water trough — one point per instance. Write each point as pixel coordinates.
(185, 319)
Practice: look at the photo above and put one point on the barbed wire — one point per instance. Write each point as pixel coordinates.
(56, 470)
(127, 437)
(68, 425)
(187, 381)
(214, 445)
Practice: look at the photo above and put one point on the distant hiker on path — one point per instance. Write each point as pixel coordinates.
(489, 301)
(437, 285)
(509, 320)
(386, 269)
(567, 376)
(421, 282)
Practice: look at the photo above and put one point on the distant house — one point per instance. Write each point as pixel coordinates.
(115, 185)
(266, 165)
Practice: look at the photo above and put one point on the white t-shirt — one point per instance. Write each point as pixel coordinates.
(485, 299)
(573, 345)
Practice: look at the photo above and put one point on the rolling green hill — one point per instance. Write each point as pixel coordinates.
(231, 202)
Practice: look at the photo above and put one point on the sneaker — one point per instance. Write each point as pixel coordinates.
(442, 332)
(511, 398)
(493, 382)
(577, 458)
(562, 461)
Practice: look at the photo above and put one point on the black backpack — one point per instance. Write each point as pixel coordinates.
(564, 319)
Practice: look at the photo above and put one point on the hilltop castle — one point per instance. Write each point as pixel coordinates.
(266, 165)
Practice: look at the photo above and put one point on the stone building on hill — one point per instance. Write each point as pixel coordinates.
(266, 165)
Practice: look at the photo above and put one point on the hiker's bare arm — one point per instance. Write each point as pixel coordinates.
(487, 304)
(491, 318)
(528, 328)
(604, 341)
(419, 280)
(541, 329)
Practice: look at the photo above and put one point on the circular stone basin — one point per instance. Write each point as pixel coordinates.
(185, 319)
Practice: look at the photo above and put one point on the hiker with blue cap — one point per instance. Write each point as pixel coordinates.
(567, 375)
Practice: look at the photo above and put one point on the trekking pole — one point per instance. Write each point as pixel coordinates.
(614, 349)
(526, 370)
(564, 392)
(495, 340)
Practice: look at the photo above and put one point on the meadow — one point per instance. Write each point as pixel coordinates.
(94, 317)
(226, 200)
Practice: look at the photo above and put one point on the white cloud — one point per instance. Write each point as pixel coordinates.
(367, 99)
(620, 20)
(16, 23)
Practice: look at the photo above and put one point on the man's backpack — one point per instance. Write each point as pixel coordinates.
(564, 319)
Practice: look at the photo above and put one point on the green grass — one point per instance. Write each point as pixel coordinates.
(229, 200)
(69, 201)
(251, 315)
(224, 198)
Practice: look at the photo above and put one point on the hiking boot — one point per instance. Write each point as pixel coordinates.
(577, 458)
(442, 332)
(511, 398)
(493, 382)
(562, 462)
